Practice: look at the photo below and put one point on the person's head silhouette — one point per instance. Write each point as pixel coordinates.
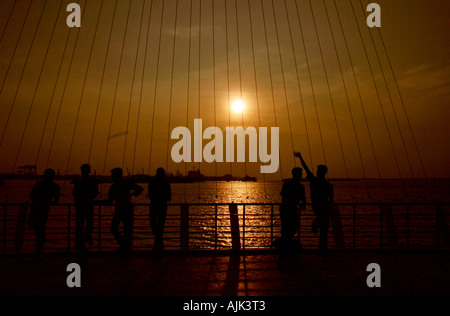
(297, 173)
(117, 174)
(49, 174)
(160, 174)
(85, 170)
(322, 171)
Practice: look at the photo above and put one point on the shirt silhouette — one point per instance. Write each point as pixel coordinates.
(120, 193)
(160, 193)
(85, 192)
(293, 194)
(44, 194)
(322, 197)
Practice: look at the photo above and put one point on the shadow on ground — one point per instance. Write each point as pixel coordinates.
(303, 274)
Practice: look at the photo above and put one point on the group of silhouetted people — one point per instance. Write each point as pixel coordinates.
(86, 190)
(85, 193)
(294, 197)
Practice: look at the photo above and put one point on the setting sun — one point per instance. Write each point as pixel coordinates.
(238, 106)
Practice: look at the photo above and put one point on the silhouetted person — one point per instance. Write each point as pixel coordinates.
(322, 197)
(121, 192)
(44, 194)
(160, 193)
(85, 192)
(293, 194)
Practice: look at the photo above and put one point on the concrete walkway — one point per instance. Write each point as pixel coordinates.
(252, 274)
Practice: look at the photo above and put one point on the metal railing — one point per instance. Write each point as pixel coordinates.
(246, 226)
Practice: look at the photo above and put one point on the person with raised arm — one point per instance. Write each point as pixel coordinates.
(322, 198)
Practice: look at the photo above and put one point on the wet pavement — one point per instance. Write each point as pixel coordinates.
(227, 274)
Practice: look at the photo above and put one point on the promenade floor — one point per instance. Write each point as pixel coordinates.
(225, 274)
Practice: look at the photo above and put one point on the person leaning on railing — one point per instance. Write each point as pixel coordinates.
(44, 193)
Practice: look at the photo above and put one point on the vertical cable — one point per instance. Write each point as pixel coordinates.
(392, 105)
(102, 81)
(52, 96)
(214, 89)
(403, 106)
(8, 20)
(117, 85)
(302, 102)
(284, 81)
(378, 96)
(311, 82)
(156, 87)
(256, 81)
(329, 92)
(171, 83)
(199, 80)
(188, 91)
(142, 85)
(82, 93)
(240, 85)
(366, 121)
(132, 86)
(228, 91)
(270, 74)
(62, 97)
(347, 96)
(23, 70)
(35, 90)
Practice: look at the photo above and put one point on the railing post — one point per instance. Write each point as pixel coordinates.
(234, 223)
(408, 245)
(184, 227)
(68, 229)
(216, 236)
(243, 228)
(271, 227)
(381, 227)
(5, 218)
(99, 229)
(439, 215)
(354, 226)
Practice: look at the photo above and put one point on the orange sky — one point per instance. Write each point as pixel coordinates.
(53, 93)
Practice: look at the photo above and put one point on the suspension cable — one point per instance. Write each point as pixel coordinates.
(8, 20)
(156, 86)
(302, 102)
(256, 81)
(240, 84)
(9, 68)
(171, 82)
(366, 121)
(270, 74)
(378, 96)
(142, 86)
(311, 82)
(82, 93)
(117, 86)
(284, 81)
(132, 86)
(347, 96)
(102, 81)
(392, 105)
(62, 98)
(329, 92)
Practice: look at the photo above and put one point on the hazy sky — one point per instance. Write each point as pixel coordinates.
(71, 96)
